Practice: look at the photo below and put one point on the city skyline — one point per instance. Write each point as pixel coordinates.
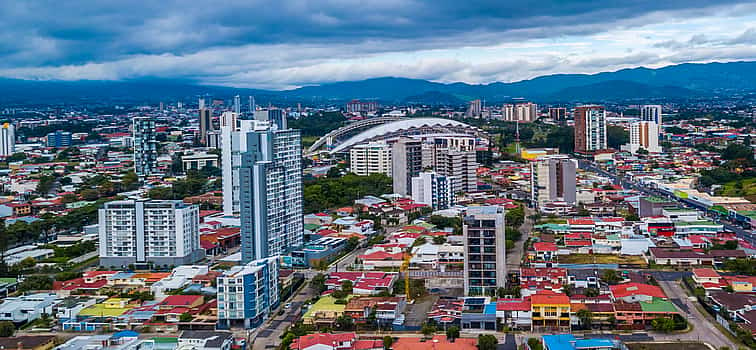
(289, 44)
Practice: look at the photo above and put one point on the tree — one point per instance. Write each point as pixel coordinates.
(69, 198)
(90, 195)
(534, 344)
(610, 276)
(428, 329)
(346, 286)
(586, 318)
(45, 184)
(452, 333)
(36, 282)
(130, 181)
(663, 324)
(439, 239)
(487, 342)
(352, 243)
(515, 217)
(185, 317)
(7, 329)
(387, 342)
(616, 136)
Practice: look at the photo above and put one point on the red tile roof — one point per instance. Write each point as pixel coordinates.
(629, 289)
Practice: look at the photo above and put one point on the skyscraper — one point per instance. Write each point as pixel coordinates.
(590, 129)
(274, 115)
(406, 163)
(553, 179)
(262, 184)
(270, 192)
(7, 139)
(651, 113)
(432, 189)
(237, 105)
(474, 109)
(205, 121)
(558, 114)
(485, 267)
(162, 232)
(644, 135)
(145, 146)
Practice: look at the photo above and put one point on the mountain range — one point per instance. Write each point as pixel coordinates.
(682, 81)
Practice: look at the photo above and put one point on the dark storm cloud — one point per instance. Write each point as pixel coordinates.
(53, 33)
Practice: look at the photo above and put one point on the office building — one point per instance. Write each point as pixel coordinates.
(370, 158)
(433, 189)
(406, 163)
(485, 268)
(232, 139)
(213, 139)
(248, 293)
(644, 135)
(205, 121)
(198, 161)
(357, 106)
(459, 166)
(558, 114)
(59, 139)
(553, 179)
(651, 113)
(145, 146)
(7, 139)
(161, 232)
(474, 109)
(272, 115)
(590, 129)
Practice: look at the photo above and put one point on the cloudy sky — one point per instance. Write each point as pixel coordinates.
(287, 43)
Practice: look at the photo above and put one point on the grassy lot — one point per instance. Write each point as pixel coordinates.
(307, 141)
(600, 259)
(666, 346)
(746, 187)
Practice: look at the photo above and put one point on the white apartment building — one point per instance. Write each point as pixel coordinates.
(161, 232)
(371, 158)
(459, 166)
(644, 135)
(7, 139)
(651, 113)
(432, 189)
(522, 112)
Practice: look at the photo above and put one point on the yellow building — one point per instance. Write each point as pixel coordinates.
(550, 311)
(535, 153)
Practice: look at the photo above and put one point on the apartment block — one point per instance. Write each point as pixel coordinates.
(485, 268)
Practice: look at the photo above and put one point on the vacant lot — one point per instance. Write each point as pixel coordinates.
(666, 346)
(601, 259)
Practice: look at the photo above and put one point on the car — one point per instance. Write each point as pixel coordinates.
(287, 305)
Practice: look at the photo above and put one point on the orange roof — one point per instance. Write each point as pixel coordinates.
(549, 298)
(706, 273)
(152, 276)
(438, 342)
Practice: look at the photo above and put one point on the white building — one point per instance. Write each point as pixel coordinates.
(553, 179)
(161, 232)
(485, 268)
(521, 112)
(432, 189)
(248, 293)
(651, 113)
(27, 308)
(644, 135)
(198, 161)
(459, 166)
(406, 163)
(7, 139)
(371, 158)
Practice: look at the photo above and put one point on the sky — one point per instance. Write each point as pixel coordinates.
(285, 44)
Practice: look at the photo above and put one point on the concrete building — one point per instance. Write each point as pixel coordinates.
(485, 268)
(270, 190)
(406, 163)
(59, 139)
(145, 146)
(205, 121)
(199, 160)
(474, 109)
(274, 116)
(248, 293)
(521, 112)
(161, 232)
(370, 158)
(7, 139)
(458, 166)
(590, 129)
(26, 308)
(553, 179)
(433, 189)
(651, 113)
(357, 106)
(644, 135)
(558, 114)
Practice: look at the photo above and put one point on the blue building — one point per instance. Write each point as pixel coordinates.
(59, 139)
(569, 342)
(323, 249)
(247, 294)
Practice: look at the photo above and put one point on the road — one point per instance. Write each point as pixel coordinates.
(514, 256)
(268, 336)
(746, 235)
(703, 324)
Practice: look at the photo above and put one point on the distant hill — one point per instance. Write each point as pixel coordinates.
(676, 81)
